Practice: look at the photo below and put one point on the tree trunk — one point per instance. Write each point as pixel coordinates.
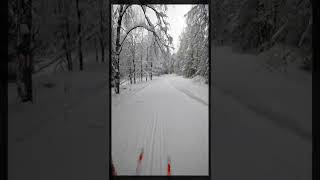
(28, 55)
(147, 63)
(19, 61)
(279, 31)
(305, 32)
(274, 37)
(129, 71)
(133, 61)
(130, 75)
(24, 53)
(134, 71)
(146, 74)
(101, 31)
(151, 71)
(141, 68)
(96, 48)
(117, 63)
(80, 39)
(102, 49)
(68, 53)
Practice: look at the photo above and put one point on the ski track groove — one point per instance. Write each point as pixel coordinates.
(143, 142)
(151, 147)
(166, 140)
(157, 149)
(147, 147)
(154, 138)
(161, 144)
(153, 143)
(132, 95)
(188, 94)
(164, 144)
(148, 141)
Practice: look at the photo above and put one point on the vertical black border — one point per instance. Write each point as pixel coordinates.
(209, 84)
(110, 89)
(109, 5)
(4, 93)
(315, 91)
(177, 2)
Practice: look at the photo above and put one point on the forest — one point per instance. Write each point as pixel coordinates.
(60, 35)
(68, 58)
(145, 48)
(53, 36)
(272, 26)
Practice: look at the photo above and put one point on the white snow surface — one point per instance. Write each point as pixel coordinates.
(260, 124)
(261, 120)
(61, 135)
(167, 118)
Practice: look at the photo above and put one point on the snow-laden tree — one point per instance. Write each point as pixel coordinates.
(259, 24)
(192, 58)
(159, 30)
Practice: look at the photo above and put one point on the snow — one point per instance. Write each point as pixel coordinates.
(261, 124)
(164, 122)
(60, 134)
(280, 96)
(261, 119)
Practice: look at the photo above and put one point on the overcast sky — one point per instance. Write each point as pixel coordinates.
(175, 18)
(177, 21)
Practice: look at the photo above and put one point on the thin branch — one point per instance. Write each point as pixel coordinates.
(144, 12)
(125, 9)
(157, 13)
(141, 26)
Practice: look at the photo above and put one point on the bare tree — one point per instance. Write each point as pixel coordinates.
(141, 67)
(79, 34)
(101, 30)
(162, 41)
(24, 50)
(64, 31)
(96, 49)
(133, 53)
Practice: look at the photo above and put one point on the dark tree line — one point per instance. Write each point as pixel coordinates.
(259, 24)
(23, 48)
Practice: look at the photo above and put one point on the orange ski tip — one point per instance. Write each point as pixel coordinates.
(169, 167)
(140, 155)
(114, 173)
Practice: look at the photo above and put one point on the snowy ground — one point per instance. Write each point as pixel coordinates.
(167, 117)
(260, 125)
(63, 134)
(261, 120)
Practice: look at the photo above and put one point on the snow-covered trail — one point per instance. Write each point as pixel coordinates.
(261, 121)
(71, 145)
(62, 135)
(164, 121)
(248, 138)
(247, 145)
